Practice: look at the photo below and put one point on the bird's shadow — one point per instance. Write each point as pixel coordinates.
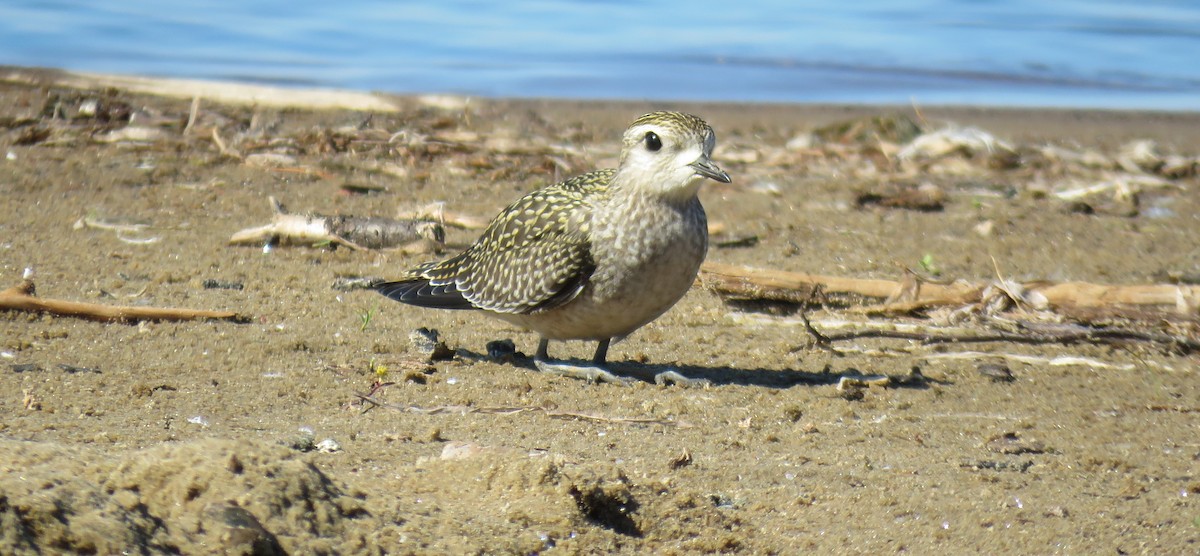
(725, 375)
(765, 378)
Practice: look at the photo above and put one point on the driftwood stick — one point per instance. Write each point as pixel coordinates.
(1091, 336)
(778, 285)
(351, 231)
(22, 297)
(1083, 294)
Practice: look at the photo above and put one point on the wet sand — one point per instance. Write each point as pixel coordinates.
(195, 437)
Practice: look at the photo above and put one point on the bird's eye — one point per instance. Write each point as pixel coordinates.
(653, 143)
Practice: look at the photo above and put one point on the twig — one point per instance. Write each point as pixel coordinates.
(22, 297)
(822, 341)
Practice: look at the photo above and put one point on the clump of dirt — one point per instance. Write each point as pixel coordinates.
(523, 503)
(224, 495)
(239, 497)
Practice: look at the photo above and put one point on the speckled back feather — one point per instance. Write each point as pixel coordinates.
(535, 255)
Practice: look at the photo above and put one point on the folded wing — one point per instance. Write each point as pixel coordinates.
(534, 256)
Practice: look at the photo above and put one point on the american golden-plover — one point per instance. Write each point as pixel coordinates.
(594, 257)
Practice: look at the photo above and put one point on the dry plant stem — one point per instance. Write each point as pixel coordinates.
(755, 283)
(22, 298)
(822, 341)
(225, 151)
(192, 113)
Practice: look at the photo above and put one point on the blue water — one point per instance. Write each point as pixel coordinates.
(1076, 53)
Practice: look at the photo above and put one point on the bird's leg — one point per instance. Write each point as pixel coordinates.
(669, 376)
(601, 356)
(594, 373)
(597, 371)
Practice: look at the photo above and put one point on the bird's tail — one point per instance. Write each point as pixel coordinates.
(422, 288)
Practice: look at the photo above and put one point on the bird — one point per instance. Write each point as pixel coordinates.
(594, 257)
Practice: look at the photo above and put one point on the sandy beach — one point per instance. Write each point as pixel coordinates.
(252, 436)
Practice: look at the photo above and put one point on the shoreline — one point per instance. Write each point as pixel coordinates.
(1053, 123)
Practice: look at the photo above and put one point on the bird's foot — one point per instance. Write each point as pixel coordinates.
(673, 377)
(590, 373)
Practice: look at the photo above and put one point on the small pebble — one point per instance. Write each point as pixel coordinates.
(73, 369)
(213, 284)
(1057, 511)
(270, 160)
(998, 372)
(682, 460)
(461, 450)
(88, 108)
(241, 532)
(303, 442)
(985, 228)
(198, 420)
(427, 341)
(501, 351)
(1011, 443)
(132, 134)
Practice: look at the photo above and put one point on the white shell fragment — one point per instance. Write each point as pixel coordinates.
(198, 420)
(132, 134)
(270, 160)
(851, 382)
(328, 446)
(942, 142)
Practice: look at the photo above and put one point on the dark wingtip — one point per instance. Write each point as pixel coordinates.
(422, 293)
(398, 291)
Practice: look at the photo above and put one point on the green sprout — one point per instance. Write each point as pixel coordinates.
(365, 318)
(928, 265)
